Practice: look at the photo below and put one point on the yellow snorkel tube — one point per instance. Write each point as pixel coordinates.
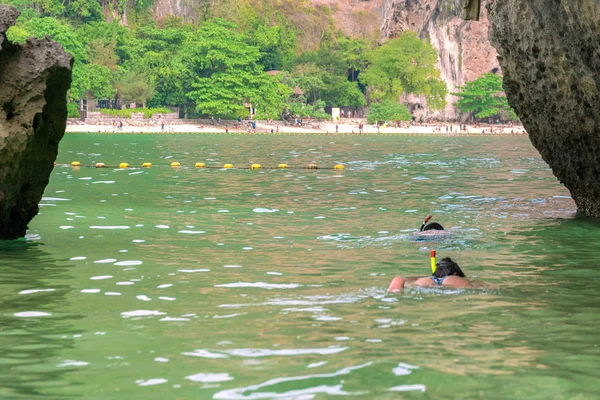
(433, 266)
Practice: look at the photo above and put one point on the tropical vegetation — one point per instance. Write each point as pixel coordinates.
(282, 58)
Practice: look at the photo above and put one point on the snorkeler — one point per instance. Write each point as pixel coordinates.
(431, 226)
(444, 273)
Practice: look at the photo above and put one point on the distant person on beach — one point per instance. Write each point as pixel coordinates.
(447, 273)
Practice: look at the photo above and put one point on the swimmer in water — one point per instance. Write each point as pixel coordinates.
(431, 226)
(447, 273)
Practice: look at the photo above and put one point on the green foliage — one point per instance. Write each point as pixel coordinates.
(93, 79)
(133, 87)
(405, 65)
(303, 110)
(73, 110)
(126, 113)
(388, 111)
(484, 97)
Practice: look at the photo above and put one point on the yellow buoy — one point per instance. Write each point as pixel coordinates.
(200, 165)
(146, 165)
(75, 164)
(175, 164)
(312, 166)
(123, 165)
(228, 166)
(100, 165)
(255, 166)
(282, 166)
(339, 166)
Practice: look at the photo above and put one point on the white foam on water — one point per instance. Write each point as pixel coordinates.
(274, 273)
(403, 369)
(408, 388)
(161, 359)
(192, 232)
(284, 352)
(106, 182)
(112, 294)
(166, 285)
(261, 285)
(223, 211)
(265, 210)
(110, 227)
(227, 316)
(128, 263)
(30, 314)
(326, 318)
(86, 178)
(105, 261)
(167, 298)
(143, 297)
(138, 240)
(247, 248)
(317, 364)
(163, 226)
(72, 363)
(31, 291)
(141, 313)
(204, 354)
(90, 291)
(232, 266)
(193, 270)
(125, 283)
(209, 378)
(66, 227)
(54, 199)
(151, 382)
(174, 319)
(101, 277)
(77, 258)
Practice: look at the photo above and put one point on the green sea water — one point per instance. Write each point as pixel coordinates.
(185, 283)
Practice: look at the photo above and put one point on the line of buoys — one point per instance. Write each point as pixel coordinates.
(176, 164)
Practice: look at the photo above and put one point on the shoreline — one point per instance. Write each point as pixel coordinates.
(276, 129)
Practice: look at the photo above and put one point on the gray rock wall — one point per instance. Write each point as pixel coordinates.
(550, 56)
(34, 79)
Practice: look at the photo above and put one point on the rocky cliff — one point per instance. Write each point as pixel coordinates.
(550, 56)
(465, 52)
(34, 79)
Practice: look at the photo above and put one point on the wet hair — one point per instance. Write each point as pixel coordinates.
(447, 267)
(432, 226)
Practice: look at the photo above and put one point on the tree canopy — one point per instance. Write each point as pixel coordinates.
(283, 57)
(405, 65)
(484, 97)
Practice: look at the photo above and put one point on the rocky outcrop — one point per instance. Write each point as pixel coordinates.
(464, 51)
(550, 57)
(34, 79)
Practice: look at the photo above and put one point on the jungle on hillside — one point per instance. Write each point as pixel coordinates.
(283, 58)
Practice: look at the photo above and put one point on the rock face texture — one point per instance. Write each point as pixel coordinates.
(550, 56)
(464, 50)
(34, 79)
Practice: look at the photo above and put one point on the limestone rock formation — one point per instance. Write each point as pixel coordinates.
(550, 57)
(34, 79)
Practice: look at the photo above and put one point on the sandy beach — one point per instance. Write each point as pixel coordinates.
(262, 128)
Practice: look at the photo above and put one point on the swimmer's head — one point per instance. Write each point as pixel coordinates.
(447, 267)
(433, 226)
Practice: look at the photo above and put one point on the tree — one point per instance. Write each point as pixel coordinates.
(484, 97)
(134, 87)
(405, 65)
(388, 111)
(228, 73)
(92, 79)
